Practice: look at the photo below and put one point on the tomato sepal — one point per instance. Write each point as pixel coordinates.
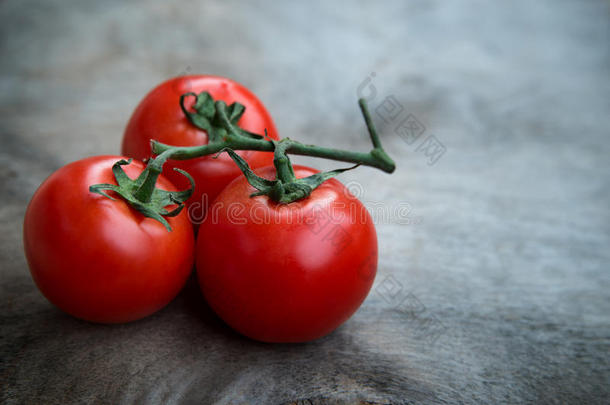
(142, 194)
(215, 117)
(286, 188)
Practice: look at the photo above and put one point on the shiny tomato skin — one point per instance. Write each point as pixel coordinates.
(286, 273)
(159, 117)
(101, 260)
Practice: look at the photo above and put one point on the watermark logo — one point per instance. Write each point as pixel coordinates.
(410, 129)
(423, 323)
(405, 125)
(389, 109)
(432, 148)
(319, 218)
(368, 268)
(367, 89)
(354, 189)
(337, 237)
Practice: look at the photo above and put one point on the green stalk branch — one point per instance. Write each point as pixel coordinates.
(220, 122)
(235, 140)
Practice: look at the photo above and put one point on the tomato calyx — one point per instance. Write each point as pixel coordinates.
(286, 188)
(215, 117)
(141, 193)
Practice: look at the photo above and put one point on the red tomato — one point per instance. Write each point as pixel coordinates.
(159, 117)
(98, 259)
(286, 273)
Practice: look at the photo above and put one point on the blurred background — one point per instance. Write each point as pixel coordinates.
(493, 280)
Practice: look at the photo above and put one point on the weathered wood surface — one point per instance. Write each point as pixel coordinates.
(494, 291)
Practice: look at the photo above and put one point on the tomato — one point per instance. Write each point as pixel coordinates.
(159, 117)
(99, 259)
(286, 273)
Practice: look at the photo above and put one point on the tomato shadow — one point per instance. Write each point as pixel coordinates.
(193, 304)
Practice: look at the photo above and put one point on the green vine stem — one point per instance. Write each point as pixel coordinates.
(224, 133)
(220, 121)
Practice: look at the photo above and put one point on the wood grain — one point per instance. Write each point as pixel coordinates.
(493, 277)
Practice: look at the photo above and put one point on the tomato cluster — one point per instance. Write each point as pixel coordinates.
(273, 272)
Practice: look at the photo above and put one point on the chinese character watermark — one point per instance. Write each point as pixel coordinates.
(432, 148)
(425, 325)
(409, 128)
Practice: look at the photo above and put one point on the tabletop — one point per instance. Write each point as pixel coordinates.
(493, 277)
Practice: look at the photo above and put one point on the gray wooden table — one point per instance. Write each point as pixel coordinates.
(494, 232)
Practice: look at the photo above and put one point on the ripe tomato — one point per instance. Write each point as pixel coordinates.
(159, 117)
(99, 259)
(286, 273)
